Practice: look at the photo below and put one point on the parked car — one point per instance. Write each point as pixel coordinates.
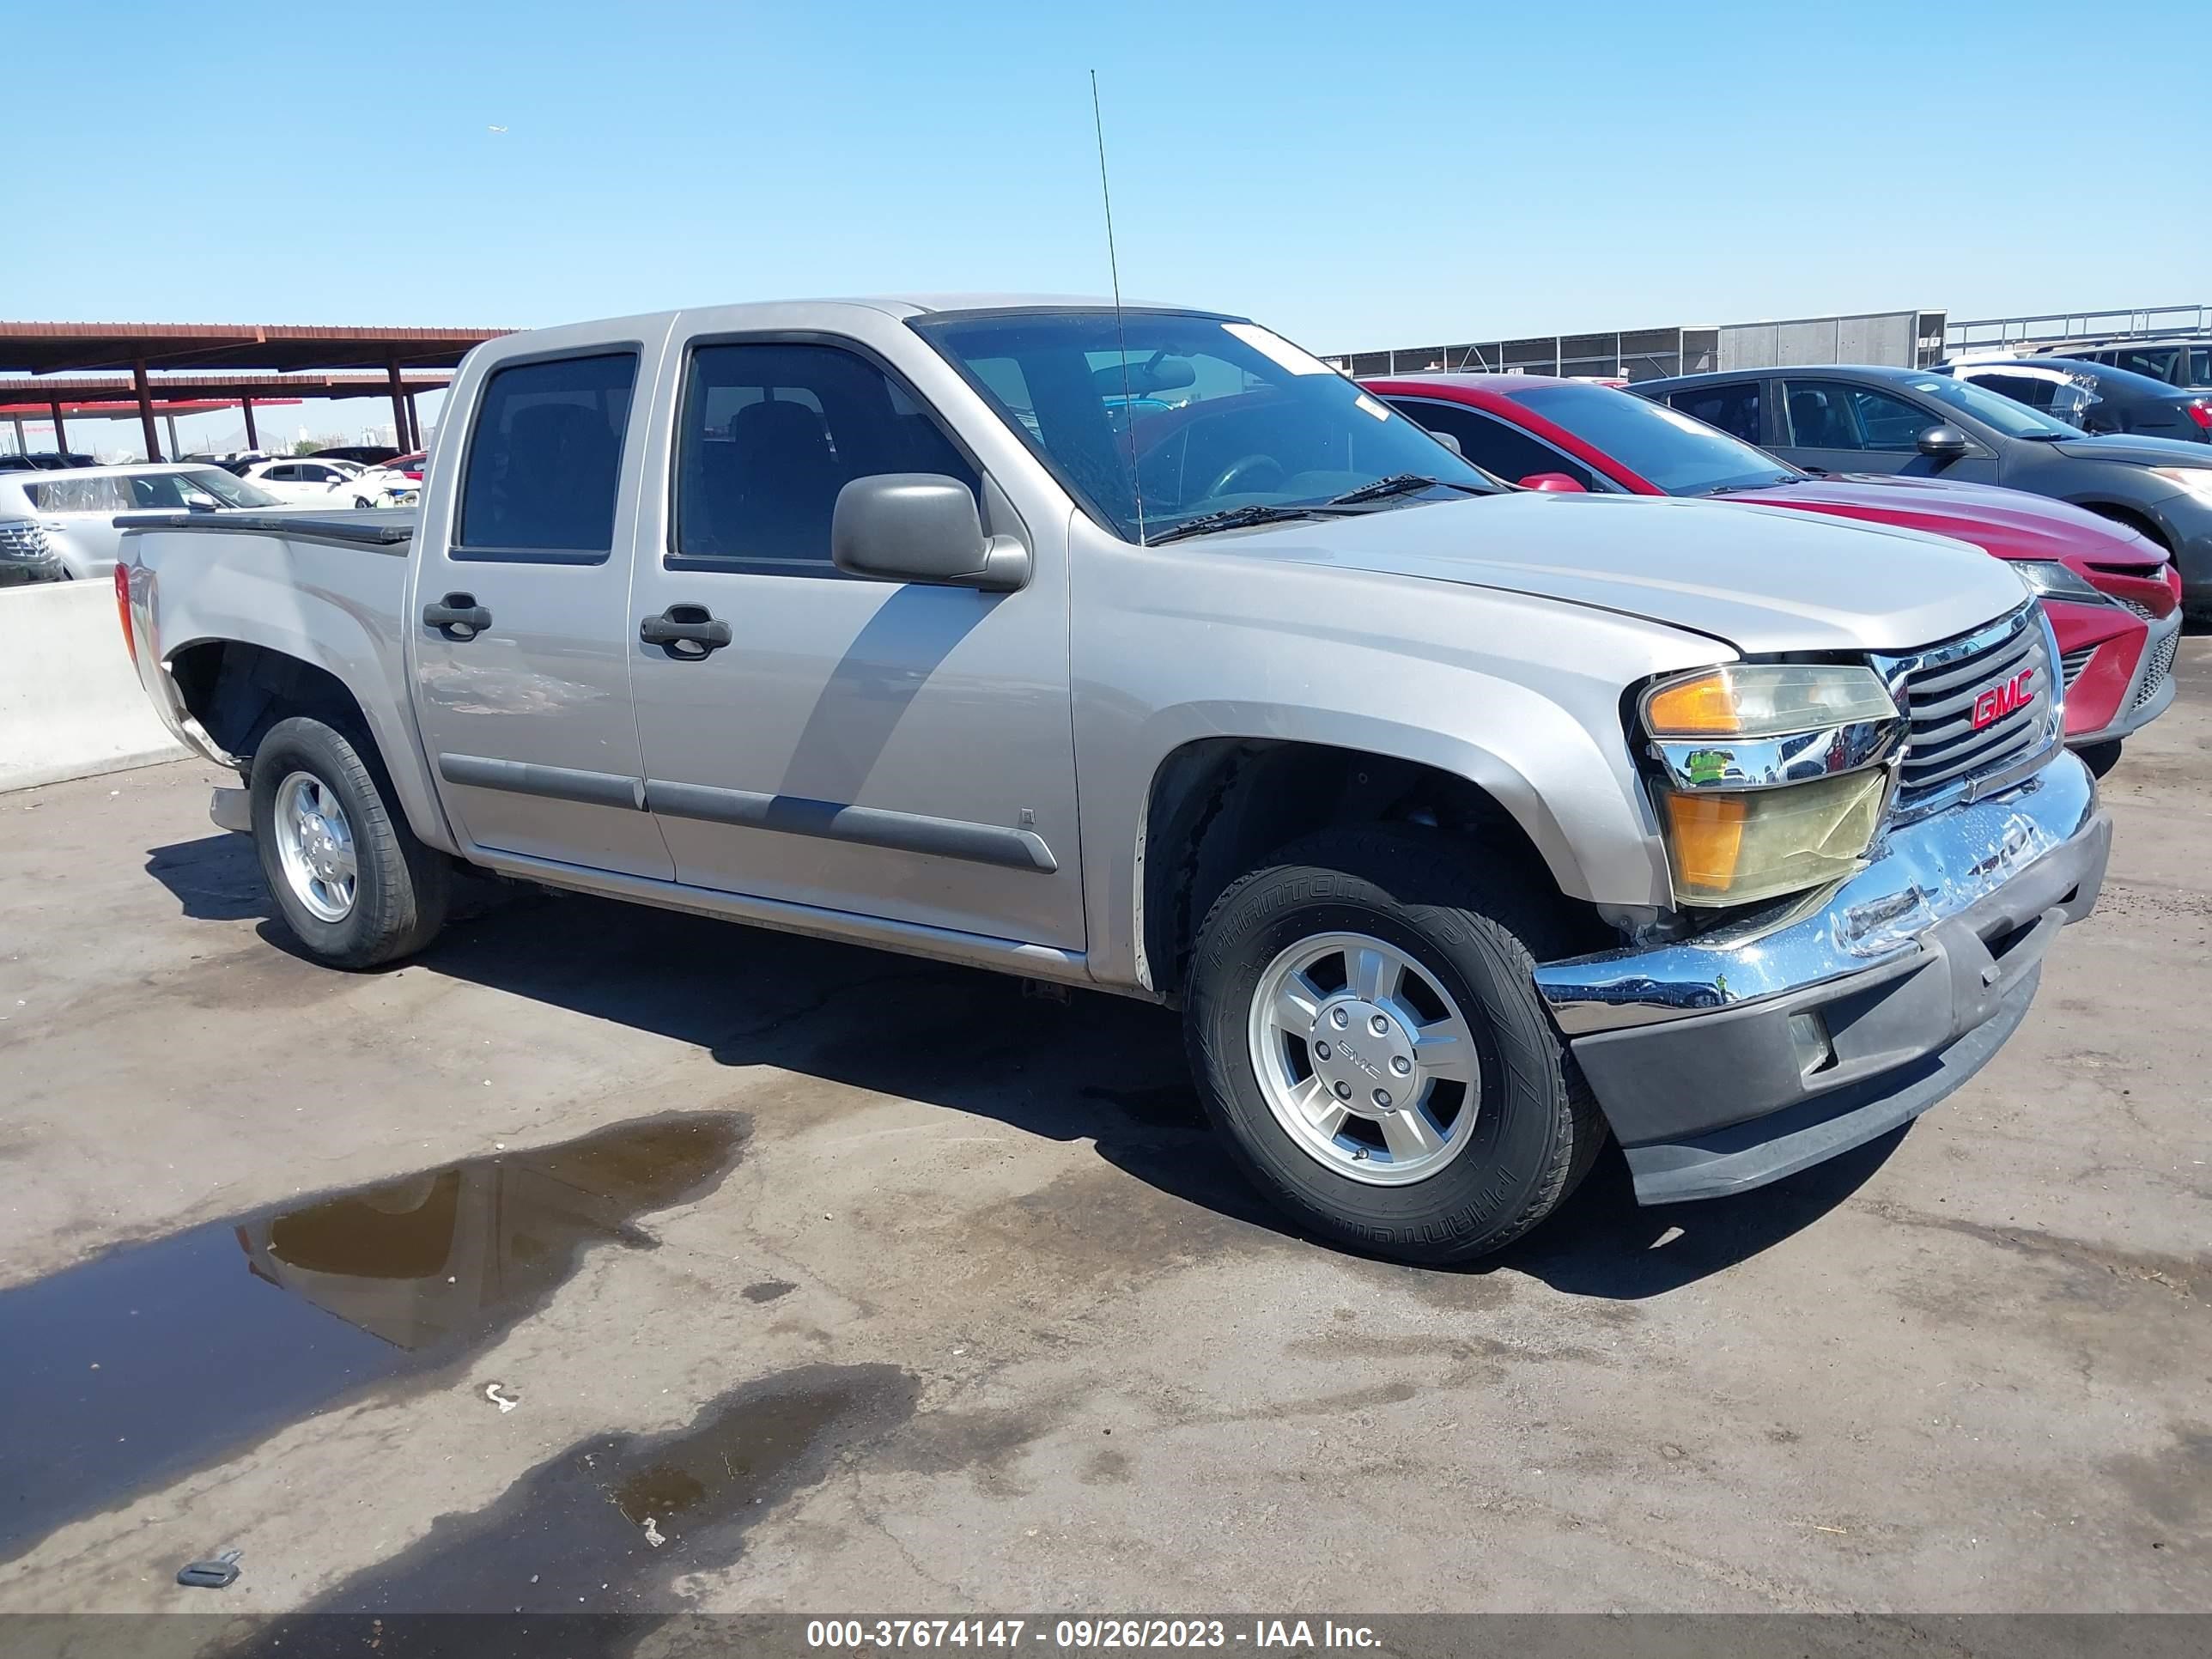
(71, 515)
(311, 479)
(1845, 419)
(399, 483)
(236, 462)
(1462, 822)
(2184, 362)
(43, 461)
(365, 454)
(2113, 600)
(2094, 397)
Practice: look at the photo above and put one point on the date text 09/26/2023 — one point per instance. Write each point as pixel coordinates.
(1290, 1635)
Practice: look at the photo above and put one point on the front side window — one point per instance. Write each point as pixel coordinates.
(1498, 448)
(1734, 408)
(545, 458)
(771, 431)
(1155, 420)
(1833, 415)
(1681, 454)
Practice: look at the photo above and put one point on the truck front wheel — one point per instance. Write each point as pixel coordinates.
(349, 875)
(1366, 1033)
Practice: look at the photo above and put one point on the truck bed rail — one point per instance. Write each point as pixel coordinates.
(383, 531)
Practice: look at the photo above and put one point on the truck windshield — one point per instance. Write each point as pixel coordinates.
(1680, 454)
(1162, 418)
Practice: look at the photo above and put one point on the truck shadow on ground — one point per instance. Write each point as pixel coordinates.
(886, 1027)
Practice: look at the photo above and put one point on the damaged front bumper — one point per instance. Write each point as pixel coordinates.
(1728, 1060)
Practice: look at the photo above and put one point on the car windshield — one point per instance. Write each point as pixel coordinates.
(1683, 455)
(1990, 408)
(203, 482)
(1157, 419)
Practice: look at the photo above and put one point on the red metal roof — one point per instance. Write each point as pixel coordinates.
(36, 393)
(49, 348)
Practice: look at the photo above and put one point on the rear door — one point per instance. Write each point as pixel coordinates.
(890, 749)
(520, 655)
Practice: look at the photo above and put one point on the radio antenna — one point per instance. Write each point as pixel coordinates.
(1120, 335)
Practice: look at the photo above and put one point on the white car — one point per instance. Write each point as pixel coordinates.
(398, 482)
(60, 525)
(309, 480)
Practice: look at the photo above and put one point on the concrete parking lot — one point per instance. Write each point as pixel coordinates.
(623, 1260)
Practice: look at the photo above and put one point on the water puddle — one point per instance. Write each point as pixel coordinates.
(576, 1535)
(156, 1357)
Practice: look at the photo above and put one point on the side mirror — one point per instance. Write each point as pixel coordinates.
(1554, 484)
(920, 527)
(1447, 440)
(1944, 443)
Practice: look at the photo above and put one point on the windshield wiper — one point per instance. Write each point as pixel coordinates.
(1398, 483)
(1236, 518)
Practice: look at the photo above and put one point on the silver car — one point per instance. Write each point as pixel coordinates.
(60, 526)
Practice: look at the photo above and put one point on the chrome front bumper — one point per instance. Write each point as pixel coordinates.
(1728, 1060)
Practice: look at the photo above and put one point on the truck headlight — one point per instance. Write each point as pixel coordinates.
(1771, 776)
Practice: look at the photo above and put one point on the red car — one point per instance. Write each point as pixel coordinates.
(2113, 598)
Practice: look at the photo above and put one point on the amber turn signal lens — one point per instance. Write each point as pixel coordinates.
(1706, 838)
(1700, 707)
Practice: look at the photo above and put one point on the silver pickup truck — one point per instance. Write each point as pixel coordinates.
(1140, 651)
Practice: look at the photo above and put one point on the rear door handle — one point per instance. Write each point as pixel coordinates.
(687, 630)
(458, 617)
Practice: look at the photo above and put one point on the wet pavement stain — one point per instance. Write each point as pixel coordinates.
(153, 1359)
(574, 1536)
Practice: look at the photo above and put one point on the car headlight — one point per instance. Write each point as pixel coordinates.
(2196, 480)
(1770, 775)
(2047, 579)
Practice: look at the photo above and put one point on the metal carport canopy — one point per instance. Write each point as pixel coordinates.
(291, 361)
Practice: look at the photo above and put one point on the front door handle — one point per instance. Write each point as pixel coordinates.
(687, 630)
(458, 617)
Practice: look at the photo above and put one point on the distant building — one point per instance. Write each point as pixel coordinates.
(1907, 339)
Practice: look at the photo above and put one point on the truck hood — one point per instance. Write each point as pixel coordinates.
(1759, 578)
(2006, 522)
(2133, 451)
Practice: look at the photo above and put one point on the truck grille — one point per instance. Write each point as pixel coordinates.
(2161, 664)
(1947, 687)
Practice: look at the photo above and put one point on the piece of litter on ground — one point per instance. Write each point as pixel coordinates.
(652, 1533)
(506, 1402)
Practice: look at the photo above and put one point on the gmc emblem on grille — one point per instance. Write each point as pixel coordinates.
(1999, 700)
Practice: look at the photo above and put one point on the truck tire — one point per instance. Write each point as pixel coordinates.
(1365, 1033)
(349, 875)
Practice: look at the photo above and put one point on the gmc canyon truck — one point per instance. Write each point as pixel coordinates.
(1141, 651)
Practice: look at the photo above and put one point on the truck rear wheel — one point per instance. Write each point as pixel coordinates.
(349, 875)
(1365, 1032)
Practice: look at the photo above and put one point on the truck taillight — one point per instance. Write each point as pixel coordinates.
(123, 610)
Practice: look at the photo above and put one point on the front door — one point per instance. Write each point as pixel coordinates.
(1839, 426)
(519, 618)
(890, 749)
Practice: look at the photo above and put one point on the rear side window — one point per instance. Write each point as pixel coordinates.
(770, 432)
(545, 459)
(1733, 409)
(109, 495)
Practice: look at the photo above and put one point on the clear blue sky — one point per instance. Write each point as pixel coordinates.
(1357, 173)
